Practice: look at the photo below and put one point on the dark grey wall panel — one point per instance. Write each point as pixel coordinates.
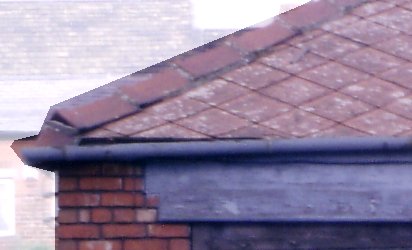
(281, 192)
(302, 236)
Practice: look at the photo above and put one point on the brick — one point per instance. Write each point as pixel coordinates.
(152, 201)
(133, 184)
(124, 215)
(159, 83)
(179, 244)
(85, 170)
(146, 215)
(97, 183)
(208, 60)
(66, 245)
(100, 245)
(115, 169)
(78, 199)
(77, 232)
(68, 184)
(168, 230)
(146, 244)
(101, 215)
(84, 215)
(67, 216)
(123, 231)
(117, 199)
(139, 200)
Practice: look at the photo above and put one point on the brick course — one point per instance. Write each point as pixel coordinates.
(100, 209)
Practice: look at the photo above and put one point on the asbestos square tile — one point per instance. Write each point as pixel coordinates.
(340, 23)
(177, 108)
(213, 122)
(401, 75)
(330, 46)
(402, 106)
(135, 123)
(170, 130)
(334, 75)
(292, 59)
(298, 123)
(339, 131)
(371, 61)
(294, 91)
(400, 46)
(336, 107)
(372, 8)
(255, 107)
(253, 131)
(216, 92)
(255, 76)
(395, 18)
(375, 91)
(380, 122)
(367, 32)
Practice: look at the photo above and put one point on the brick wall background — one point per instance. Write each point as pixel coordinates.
(105, 207)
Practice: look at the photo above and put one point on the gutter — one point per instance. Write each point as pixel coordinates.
(335, 149)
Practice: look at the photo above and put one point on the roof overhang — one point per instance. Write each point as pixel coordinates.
(337, 150)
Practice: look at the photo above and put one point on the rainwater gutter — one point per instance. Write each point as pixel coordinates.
(387, 149)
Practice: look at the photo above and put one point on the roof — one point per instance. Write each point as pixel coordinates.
(328, 68)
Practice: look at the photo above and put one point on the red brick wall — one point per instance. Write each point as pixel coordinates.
(105, 207)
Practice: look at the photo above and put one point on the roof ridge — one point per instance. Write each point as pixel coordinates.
(172, 77)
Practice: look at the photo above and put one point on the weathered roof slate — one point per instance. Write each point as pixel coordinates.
(327, 68)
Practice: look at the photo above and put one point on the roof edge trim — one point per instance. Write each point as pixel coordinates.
(48, 157)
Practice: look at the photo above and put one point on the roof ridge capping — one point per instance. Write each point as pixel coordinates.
(171, 77)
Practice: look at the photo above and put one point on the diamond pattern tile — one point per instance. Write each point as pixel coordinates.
(334, 75)
(395, 18)
(402, 106)
(292, 59)
(373, 8)
(255, 76)
(294, 91)
(375, 91)
(213, 122)
(170, 130)
(368, 32)
(380, 122)
(253, 131)
(339, 131)
(216, 92)
(330, 46)
(135, 123)
(298, 123)
(336, 107)
(255, 107)
(400, 46)
(371, 61)
(177, 108)
(401, 75)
